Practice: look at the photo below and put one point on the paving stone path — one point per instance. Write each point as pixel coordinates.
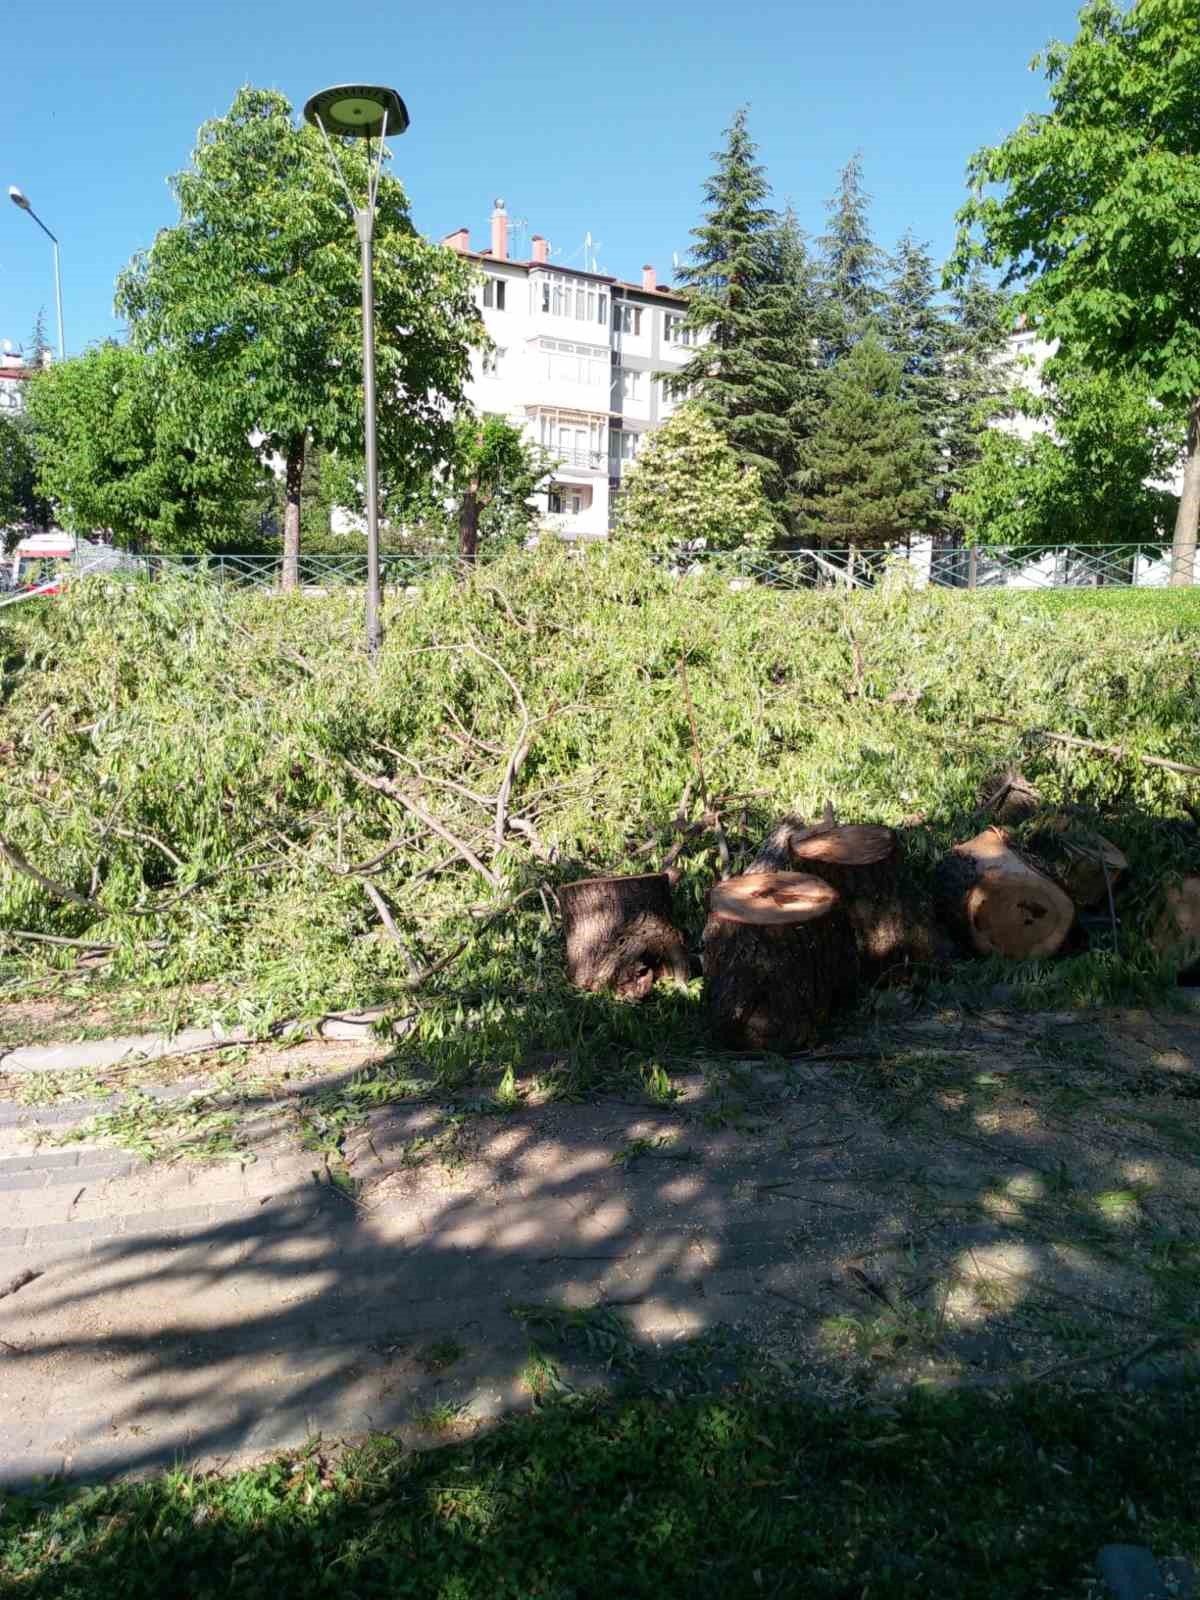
(856, 1223)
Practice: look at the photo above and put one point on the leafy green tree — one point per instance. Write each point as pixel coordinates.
(687, 488)
(111, 455)
(1093, 470)
(852, 263)
(1097, 218)
(494, 471)
(744, 373)
(254, 299)
(870, 459)
(19, 499)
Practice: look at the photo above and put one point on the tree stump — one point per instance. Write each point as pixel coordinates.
(1176, 935)
(998, 902)
(779, 959)
(620, 936)
(1088, 865)
(862, 862)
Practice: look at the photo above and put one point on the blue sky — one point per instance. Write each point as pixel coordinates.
(584, 117)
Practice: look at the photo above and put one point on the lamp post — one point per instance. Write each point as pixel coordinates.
(18, 199)
(363, 111)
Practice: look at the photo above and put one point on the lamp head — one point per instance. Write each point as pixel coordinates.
(17, 198)
(358, 111)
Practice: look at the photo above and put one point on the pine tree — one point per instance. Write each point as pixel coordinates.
(852, 263)
(979, 376)
(38, 346)
(870, 459)
(744, 373)
(920, 336)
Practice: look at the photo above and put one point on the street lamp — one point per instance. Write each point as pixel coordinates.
(18, 199)
(363, 111)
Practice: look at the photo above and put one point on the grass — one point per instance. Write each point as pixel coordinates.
(736, 1494)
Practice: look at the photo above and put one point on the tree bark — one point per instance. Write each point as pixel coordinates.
(998, 902)
(468, 524)
(1084, 862)
(771, 980)
(620, 935)
(293, 474)
(892, 929)
(1183, 548)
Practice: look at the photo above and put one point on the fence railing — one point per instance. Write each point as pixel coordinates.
(922, 565)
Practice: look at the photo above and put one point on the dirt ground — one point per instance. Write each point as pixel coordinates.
(249, 1246)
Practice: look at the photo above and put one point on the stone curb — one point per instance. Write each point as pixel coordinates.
(93, 1054)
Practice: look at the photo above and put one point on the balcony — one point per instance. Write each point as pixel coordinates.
(584, 460)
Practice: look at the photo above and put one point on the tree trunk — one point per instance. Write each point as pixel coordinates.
(779, 959)
(620, 936)
(293, 474)
(1084, 862)
(468, 524)
(892, 929)
(998, 902)
(1183, 549)
(1176, 936)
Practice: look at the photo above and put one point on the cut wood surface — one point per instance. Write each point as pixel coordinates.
(779, 959)
(620, 935)
(1088, 865)
(998, 902)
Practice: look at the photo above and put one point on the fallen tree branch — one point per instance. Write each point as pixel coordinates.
(394, 792)
(389, 923)
(1118, 752)
(59, 890)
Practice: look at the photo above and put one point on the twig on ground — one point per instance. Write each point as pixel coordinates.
(393, 933)
(19, 1282)
(1118, 752)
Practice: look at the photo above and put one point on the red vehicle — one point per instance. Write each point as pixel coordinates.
(42, 562)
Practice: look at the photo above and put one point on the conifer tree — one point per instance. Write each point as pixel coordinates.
(38, 346)
(744, 372)
(870, 459)
(979, 375)
(920, 336)
(852, 263)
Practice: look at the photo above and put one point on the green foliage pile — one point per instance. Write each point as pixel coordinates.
(181, 764)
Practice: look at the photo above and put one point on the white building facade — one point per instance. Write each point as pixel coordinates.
(578, 362)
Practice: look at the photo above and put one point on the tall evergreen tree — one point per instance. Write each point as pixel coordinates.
(918, 332)
(979, 375)
(870, 459)
(38, 347)
(744, 371)
(852, 262)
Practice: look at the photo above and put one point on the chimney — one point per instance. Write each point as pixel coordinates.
(649, 279)
(500, 231)
(459, 240)
(538, 245)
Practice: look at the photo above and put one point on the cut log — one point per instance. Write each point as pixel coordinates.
(1087, 864)
(862, 862)
(779, 959)
(1009, 796)
(1176, 935)
(620, 936)
(998, 902)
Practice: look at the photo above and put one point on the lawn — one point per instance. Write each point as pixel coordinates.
(976, 1494)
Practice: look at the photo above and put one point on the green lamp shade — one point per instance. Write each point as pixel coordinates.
(357, 110)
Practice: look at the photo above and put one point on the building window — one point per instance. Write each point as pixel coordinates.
(630, 383)
(677, 331)
(493, 294)
(555, 295)
(627, 318)
(622, 446)
(575, 363)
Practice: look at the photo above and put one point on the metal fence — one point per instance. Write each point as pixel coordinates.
(920, 565)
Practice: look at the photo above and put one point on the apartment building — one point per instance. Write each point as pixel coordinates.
(577, 363)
